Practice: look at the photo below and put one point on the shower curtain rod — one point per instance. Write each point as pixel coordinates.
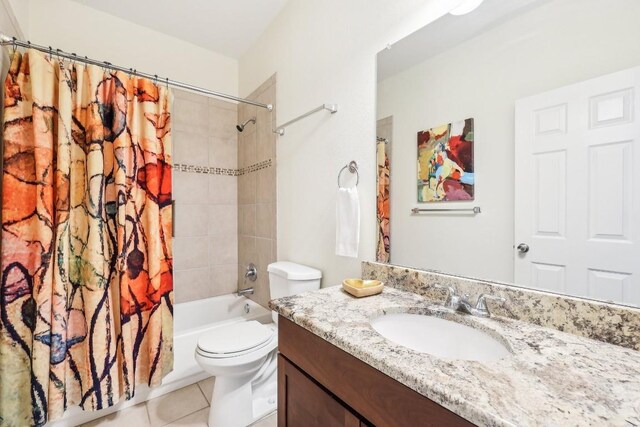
(12, 41)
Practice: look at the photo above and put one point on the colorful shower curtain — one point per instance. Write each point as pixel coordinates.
(86, 292)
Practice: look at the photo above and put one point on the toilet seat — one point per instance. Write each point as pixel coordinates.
(235, 340)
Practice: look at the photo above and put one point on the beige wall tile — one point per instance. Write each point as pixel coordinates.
(220, 103)
(246, 251)
(206, 243)
(257, 190)
(246, 111)
(190, 116)
(247, 224)
(225, 279)
(247, 188)
(180, 95)
(134, 416)
(175, 405)
(274, 249)
(264, 257)
(192, 284)
(190, 252)
(190, 187)
(191, 220)
(266, 139)
(223, 208)
(223, 189)
(247, 148)
(223, 249)
(265, 223)
(190, 148)
(223, 220)
(223, 152)
(222, 122)
(266, 185)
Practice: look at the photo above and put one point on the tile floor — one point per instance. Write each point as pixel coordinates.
(186, 407)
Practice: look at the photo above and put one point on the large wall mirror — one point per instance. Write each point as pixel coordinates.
(513, 130)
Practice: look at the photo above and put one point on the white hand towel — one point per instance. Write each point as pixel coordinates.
(347, 222)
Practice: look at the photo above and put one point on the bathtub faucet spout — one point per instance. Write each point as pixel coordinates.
(242, 292)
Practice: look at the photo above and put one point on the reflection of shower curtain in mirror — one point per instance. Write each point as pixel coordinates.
(383, 180)
(86, 292)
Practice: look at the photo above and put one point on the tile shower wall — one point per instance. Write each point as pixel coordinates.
(257, 190)
(205, 185)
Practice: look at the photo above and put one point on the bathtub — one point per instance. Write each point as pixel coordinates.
(190, 320)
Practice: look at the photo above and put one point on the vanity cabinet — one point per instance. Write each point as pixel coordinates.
(309, 404)
(324, 386)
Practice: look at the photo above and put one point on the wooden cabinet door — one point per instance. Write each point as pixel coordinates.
(303, 403)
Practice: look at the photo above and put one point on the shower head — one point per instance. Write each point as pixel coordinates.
(241, 127)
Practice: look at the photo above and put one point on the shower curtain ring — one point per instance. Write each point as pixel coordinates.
(167, 82)
(50, 53)
(156, 78)
(73, 60)
(15, 46)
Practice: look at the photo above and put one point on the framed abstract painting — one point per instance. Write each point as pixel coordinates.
(445, 163)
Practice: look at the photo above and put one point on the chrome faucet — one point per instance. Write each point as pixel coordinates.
(247, 291)
(251, 273)
(461, 302)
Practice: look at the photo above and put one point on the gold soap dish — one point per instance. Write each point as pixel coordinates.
(362, 288)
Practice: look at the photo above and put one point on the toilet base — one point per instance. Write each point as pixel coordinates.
(238, 401)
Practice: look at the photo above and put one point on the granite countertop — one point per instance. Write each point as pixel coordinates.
(552, 378)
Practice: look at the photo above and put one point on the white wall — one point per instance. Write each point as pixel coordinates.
(325, 52)
(560, 43)
(73, 27)
(20, 13)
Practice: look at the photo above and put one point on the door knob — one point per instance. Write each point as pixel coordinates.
(523, 248)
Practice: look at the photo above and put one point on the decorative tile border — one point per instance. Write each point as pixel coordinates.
(255, 167)
(212, 170)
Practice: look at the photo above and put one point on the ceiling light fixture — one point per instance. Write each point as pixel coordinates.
(465, 7)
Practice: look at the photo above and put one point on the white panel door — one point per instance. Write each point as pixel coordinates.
(577, 200)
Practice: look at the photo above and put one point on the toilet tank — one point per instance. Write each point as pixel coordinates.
(288, 278)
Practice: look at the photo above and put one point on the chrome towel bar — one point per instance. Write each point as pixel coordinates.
(475, 210)
(332, 108)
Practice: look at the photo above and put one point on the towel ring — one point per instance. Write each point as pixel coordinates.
(353, 168)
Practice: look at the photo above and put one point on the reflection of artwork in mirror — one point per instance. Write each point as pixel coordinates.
(383, 251)
(445, 162)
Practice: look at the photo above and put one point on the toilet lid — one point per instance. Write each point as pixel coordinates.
(235, 337)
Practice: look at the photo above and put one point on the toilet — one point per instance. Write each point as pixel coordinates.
(243, 355)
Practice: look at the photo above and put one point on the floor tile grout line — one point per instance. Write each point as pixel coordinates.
(146, 411)
(184, 416)
(202, 392)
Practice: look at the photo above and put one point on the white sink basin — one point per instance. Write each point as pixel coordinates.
(439, 337)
